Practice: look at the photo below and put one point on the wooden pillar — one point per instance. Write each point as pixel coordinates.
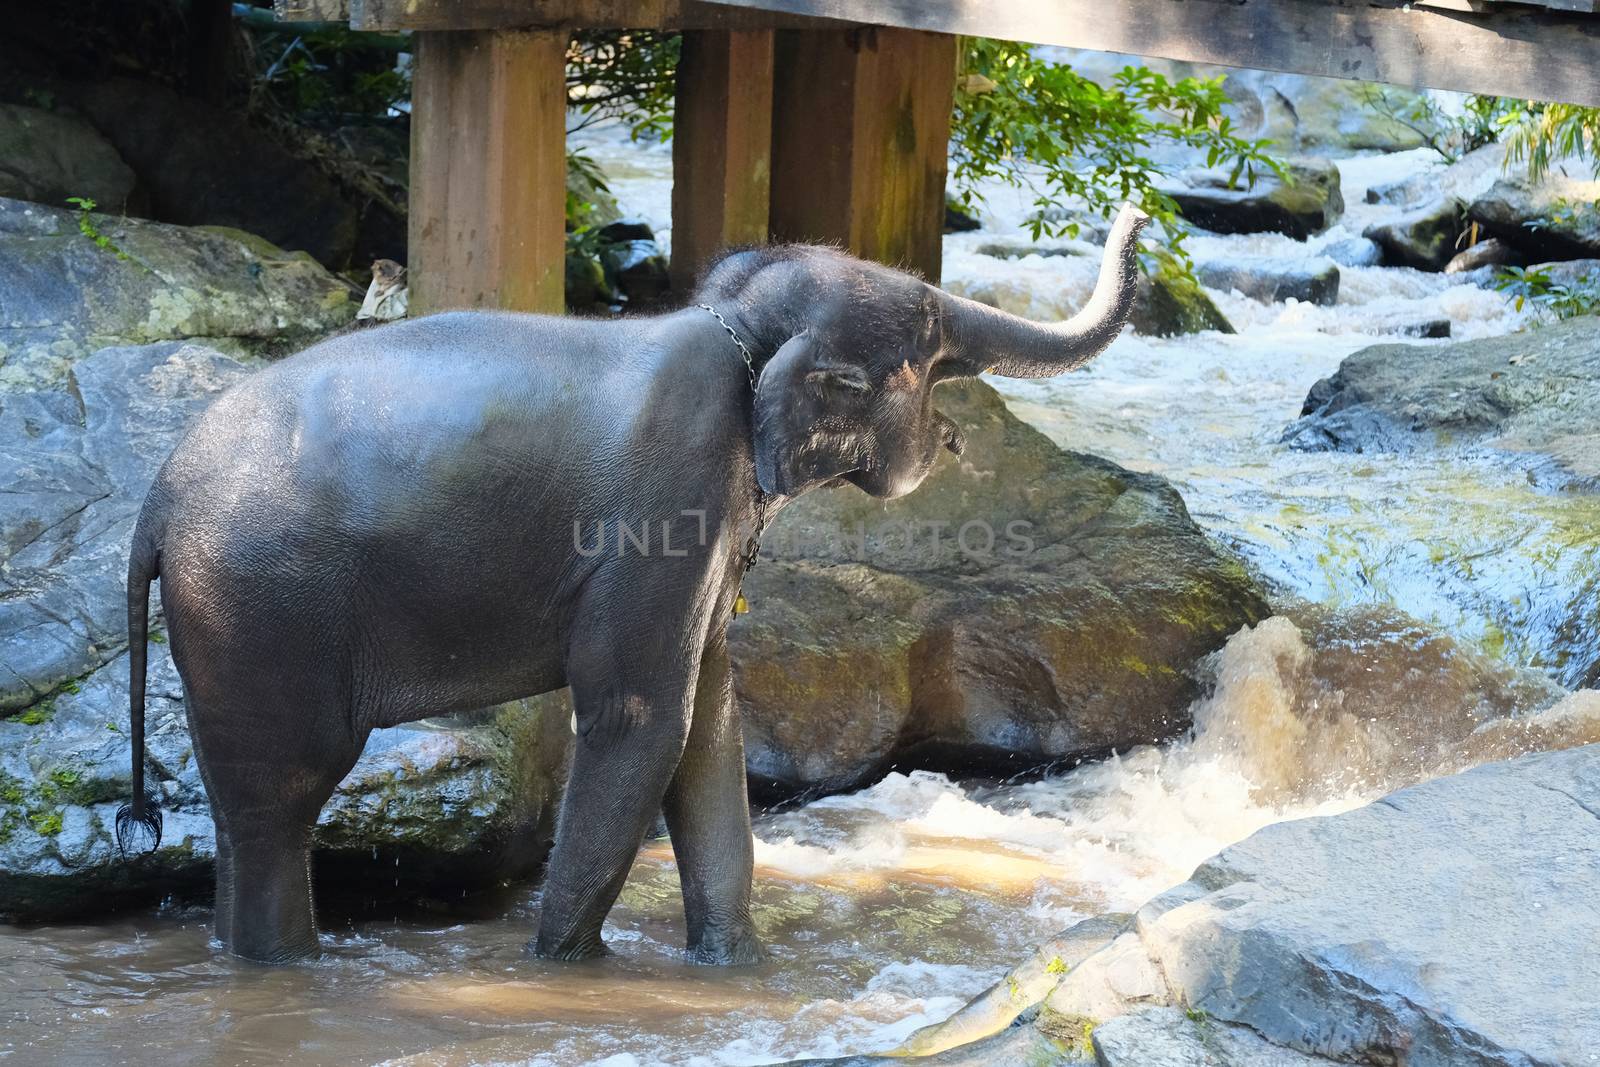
(721, 146)
(488, 170)
(860, 133)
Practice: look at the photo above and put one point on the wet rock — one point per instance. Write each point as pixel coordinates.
(1307, 204)
(1354, 252)
(200, 165)
(1429, 328)
(637, 270)
(1019, 249)
(1172, 1037)
(1323, 935)
(62, 296)
(1551, 219)
(1019, 994)
(1490, 253)
(1424, 239)
(1169, 304)
(48, 157)
(957, 220)
(1272, 281)
(1534, 391)
(1025, 605)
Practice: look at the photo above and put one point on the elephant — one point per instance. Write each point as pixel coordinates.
(386, 526)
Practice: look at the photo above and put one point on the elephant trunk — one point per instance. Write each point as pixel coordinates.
(989, 339)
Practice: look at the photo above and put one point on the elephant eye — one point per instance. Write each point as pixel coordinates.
(852, 379)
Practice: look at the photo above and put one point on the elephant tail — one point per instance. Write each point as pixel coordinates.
(143, 813)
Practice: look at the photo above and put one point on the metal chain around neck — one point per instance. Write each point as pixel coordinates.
(752, 548)
(749, 363)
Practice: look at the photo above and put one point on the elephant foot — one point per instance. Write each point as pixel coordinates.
(571, 951)
(728, 948)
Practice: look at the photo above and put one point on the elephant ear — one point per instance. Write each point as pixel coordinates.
(785, 372)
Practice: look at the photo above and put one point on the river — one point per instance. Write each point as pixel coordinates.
(886, 909)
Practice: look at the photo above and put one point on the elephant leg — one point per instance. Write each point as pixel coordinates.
(708, 813)
(632, 681)
(267, 787)
(224, 897)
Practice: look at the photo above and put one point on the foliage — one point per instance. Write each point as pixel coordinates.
(332, 72)
(86, 226)
(1044, 127)
(627, 75)
(1529, 285)
(1541, 133)
(1451, 136)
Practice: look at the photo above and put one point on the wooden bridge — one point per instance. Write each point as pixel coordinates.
(829, 119)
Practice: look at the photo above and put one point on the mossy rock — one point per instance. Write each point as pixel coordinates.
(1170, 303)
(871, 642)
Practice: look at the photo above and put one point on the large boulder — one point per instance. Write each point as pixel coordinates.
(63, 295)
(1307, 203)
(1425, 238)
(1169, 304)
(1026, 605)
(48, 157)
(1534, 391)
(200, 164)
(1272, 280)
(1555, 218)
(1448, 923)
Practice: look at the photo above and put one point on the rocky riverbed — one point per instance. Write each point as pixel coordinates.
(1279, 568)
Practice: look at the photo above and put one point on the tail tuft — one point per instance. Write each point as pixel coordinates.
(138, 820)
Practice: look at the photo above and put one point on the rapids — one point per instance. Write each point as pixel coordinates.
(1419, 602)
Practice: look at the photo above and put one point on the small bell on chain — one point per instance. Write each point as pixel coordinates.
(741, 606)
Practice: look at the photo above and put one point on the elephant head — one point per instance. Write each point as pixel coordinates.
(856, 349)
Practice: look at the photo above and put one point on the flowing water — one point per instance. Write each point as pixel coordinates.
(886, 909)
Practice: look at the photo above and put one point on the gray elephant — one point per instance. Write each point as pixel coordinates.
(472, 507)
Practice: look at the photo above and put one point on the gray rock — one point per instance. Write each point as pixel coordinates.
(1489, 253)
(1306, 205)
(1446, 924)
(995, 658)
(1536, 391)
(1171, 1037)
(1314, 281)
(1019, 993)
(1019, 249)
(1424, 238)
(1434, 329)
(1354, 252)
(1551, 219)
(86, 457)
(1169, 304)
(63, 296)
(47, 157)
(1572, 273)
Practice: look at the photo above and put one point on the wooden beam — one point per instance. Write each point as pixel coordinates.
(488, 171)
(721, 146)
(860, 135)
(390, 15)
(1507, 50)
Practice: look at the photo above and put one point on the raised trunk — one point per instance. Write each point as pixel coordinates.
(987, 339)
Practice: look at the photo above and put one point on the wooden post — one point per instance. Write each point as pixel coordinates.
(488, 171)
(861, 128)
(721, 146)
